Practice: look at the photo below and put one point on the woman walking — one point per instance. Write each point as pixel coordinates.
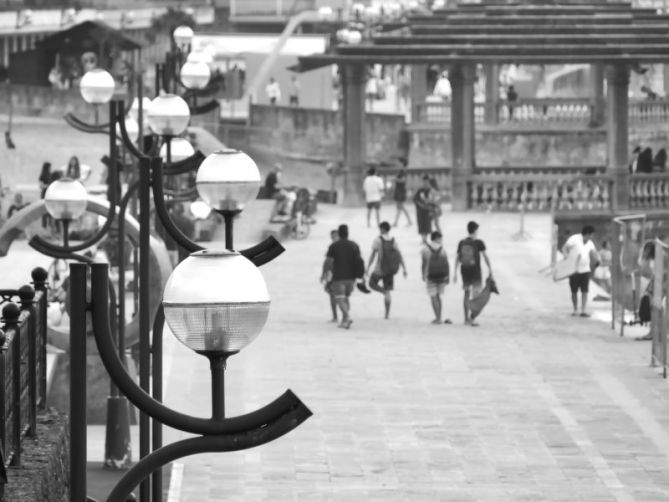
(400, 197)
(43, 181)
(73, 170)
(424, 208)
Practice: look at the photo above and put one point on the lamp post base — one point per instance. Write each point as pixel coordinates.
(118, 451)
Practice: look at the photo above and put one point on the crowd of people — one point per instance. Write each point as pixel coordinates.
(344, 266)
(643, 161)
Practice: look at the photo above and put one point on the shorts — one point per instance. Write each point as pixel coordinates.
(387, 280)
(374, 205)
(602, 273)
(343, 287)
(435, 288)
(471, 277)
(579, 282)
(293, 100)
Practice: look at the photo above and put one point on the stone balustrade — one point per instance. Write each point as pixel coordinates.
(540, 193)
(545, 111)
(649, 191)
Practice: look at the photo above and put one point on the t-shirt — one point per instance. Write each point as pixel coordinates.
(376, 246)
(473, 271)
(344, 254)
(373, 188)
(576, 247)
(271, 182)
(273, 90)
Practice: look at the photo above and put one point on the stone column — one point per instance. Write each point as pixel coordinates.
(617, 78)
(597, 101)
(419, 90)
(353, 118)
(491, 93)
(463, 131)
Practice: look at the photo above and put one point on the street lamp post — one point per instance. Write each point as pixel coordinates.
(65, 200)
(216, 323)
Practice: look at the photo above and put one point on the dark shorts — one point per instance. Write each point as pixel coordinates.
(471, 276)
(388, 281)
(579, 282)
(374, 205)
(342, 288)
(293, 100)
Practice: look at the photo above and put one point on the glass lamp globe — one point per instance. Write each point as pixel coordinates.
(180, 148)
(131, 127)
(326, 13)
(200, 210)
(168, 115)
(195, 74)
(65, 199)
(183, 35)
(342, 35)
(353, 37)
(97, 86)
(227, 180)
(216, 301)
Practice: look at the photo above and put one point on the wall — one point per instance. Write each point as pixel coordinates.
(46, 102)
(317, 134)
(45, 466)
(512, 147)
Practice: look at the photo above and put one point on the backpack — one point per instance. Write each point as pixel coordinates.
(437, 268)
(389, 257)
(468, 253)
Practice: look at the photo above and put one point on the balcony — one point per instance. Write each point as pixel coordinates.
(268, 11)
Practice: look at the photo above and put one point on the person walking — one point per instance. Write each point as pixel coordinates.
(273, 91)
(372, 186)
(424, 209)
(436, 273)
(326, 279)
(43, 181)
(347, 265)
(468, 257)
(511, 98)
(400, 197)
(579, 247)
(294, 92)
(389, 259)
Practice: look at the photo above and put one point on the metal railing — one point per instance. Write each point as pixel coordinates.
(274, 8)
(22, 367)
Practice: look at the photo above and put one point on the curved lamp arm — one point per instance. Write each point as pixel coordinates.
(207, 107)
(259, 254)
(184, 166)
(283, 423)
(127, 142)
(161, 208)
(48, 248)
(103, 338)
(79, 124)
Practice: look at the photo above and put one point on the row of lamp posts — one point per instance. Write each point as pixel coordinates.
(215, 302)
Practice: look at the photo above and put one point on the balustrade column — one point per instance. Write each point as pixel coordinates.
(353, 116)
(419, 90)
(597, 102)
(491, 93)
(463, 132)
(617, 78)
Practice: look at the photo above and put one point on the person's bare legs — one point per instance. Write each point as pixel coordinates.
(333, 307)
(378, 216)
(584, 302)
(344, 306)
(386, 302)
(369, 215)
(406, 213)
(436, 307)
(574, 302)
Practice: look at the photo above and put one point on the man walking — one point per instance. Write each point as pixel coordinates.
(579, 246)
(273, 91)
(347, 265)
(388, 262)
(326, 279)
(436, 273)
(468, 257)
(373, 188)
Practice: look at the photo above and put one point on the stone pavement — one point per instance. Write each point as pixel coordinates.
(533, 405)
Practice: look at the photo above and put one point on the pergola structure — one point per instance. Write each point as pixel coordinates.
(611, 36)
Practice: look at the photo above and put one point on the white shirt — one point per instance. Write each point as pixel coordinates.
(373, 188)
(576, 247)
(273, 90)
(442, 88)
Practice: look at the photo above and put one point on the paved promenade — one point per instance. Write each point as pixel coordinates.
(533, 405)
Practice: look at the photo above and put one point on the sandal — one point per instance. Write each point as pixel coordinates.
(584, 314)
(448, 321)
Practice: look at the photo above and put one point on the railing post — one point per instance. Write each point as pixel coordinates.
(27, 297)
(40, 276)
(10, 315)
(3, 401)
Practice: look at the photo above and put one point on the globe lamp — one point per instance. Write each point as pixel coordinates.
(168, 115)
(65, 199)
(97, 86)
